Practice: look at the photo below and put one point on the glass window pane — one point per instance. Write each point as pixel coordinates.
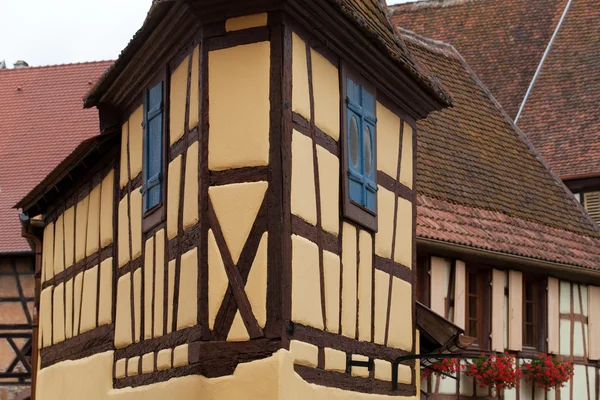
(368, 148)
(353, 142)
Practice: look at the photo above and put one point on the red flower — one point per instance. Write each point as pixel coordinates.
(547, 372)
(498, 371)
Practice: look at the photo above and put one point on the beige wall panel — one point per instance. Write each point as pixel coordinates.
(106, 210)
(576, 304)
(89, 300)
(163, 359)
(335, 360)
(194, 90)
(159, 284)
(382, 285)
(239, 106)
(246, 22)
(365, 281)
(329, 184)
(565, 337)
(388, 140)
(123, 234)
(404, 233)
(69, 223)
(46, 316)
(178, 98)
(121, 368)
(69, 309)
(565, 297)
(400, 335)
(383, 370)
(360, 371)
(460, 289)
(498, 278)
(170, 296)
(553, 315)
(105, 295)
(306, 299)
(136, 134)
(326, 92)
(180, 356)
(304, 202)
(584, 299)
(58, 314)
(187, 311)
(331, 269)
(349, 280)
(77, 299)
(48, 252)
(133, 366)
(81, 222)
(148, 286)
(438, 284)
(594, 322)
(236, 207)
(386, 202)
(123, 175)
(173, 189)
(93, 225)
(123, 316)
(137, 304)
(238, 332)
(300, 94)
(578, 339)
(406, 162)
(304, 353)
(148, 363)
(217, 279)
(579, 382)
(190, 197)
(256, 286)
(59, 246)
(136, 223)
(515, 310)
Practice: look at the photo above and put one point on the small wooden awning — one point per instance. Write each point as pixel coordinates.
(438, 335)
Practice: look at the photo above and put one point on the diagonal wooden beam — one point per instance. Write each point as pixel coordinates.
(236, 281)
(19, 355)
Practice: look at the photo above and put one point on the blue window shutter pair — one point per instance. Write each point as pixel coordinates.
(153, 143)
(360, 136)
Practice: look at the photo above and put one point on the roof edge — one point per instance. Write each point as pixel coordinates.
(414, 6)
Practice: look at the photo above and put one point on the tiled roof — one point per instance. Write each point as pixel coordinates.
(502, 40)
(562, 114)
(41, 121)
(482, 184)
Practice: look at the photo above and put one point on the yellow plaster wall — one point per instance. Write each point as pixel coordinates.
(349, 277)
(236, 207)
(406, 163)
(326, 91)
(77, 299)
(137, 304)
(190, 198)
(180, 356)
(46, 316)
(179, 79)
(256, 286)
(123, 317)
(306, 301)
(329, 184)
(163, 359)
(48, 252)
(187, 311)
(239, 106)
(238, 332)
(217, 279)
(106, 210)
(382, 285)
(388, 140)
(88, 302)
(81, 220)
(170, 295)
(69, 230)
(58, 314)
(59, 255)
(365, 276)
(404, 231)
(194, 89)
(69, 309)
(121, 368)
(304, 202)
(148, 363)
(93, 224)
(159, 285)
(331, 269)
(335, 360)
(123, 236)
(124, 173)
(106, 292)
(246, 22)
(400, 330)
(300, 93)
(148, 285)
(385, 211)
(136, 223)
(133, 366)
(304, 353)
(136, 135)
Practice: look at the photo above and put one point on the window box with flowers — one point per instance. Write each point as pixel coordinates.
(497, 372)
(547, 372)
(445, 368)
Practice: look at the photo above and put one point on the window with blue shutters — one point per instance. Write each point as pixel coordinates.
(153, 147)
(360, 139)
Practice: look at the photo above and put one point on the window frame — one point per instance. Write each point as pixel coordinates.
(157, 214)
(350, 209)
(540, 311)
(484, 306)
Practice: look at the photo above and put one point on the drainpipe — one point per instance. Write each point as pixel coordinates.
(37, 244)
(539, 68)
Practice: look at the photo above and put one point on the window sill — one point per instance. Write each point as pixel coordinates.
(359, 214)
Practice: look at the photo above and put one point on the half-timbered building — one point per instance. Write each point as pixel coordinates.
(244, 225)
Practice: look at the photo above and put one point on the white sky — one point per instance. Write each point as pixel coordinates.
(46, 32)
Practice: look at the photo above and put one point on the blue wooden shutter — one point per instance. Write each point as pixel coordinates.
(153, 129)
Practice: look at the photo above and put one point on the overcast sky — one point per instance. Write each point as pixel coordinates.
(47, 32)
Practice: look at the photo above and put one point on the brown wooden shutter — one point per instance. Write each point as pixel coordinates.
(438, 285)
(553, 316)
(460, 293)
(591, 202)
(498, 278)
(515, 310)
(594, 322)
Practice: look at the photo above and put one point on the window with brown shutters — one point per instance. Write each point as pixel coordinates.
(478, 306)
(530, 317)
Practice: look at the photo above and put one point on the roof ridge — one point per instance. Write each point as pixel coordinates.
(419, 4)
(433, 45)
(55, 65)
